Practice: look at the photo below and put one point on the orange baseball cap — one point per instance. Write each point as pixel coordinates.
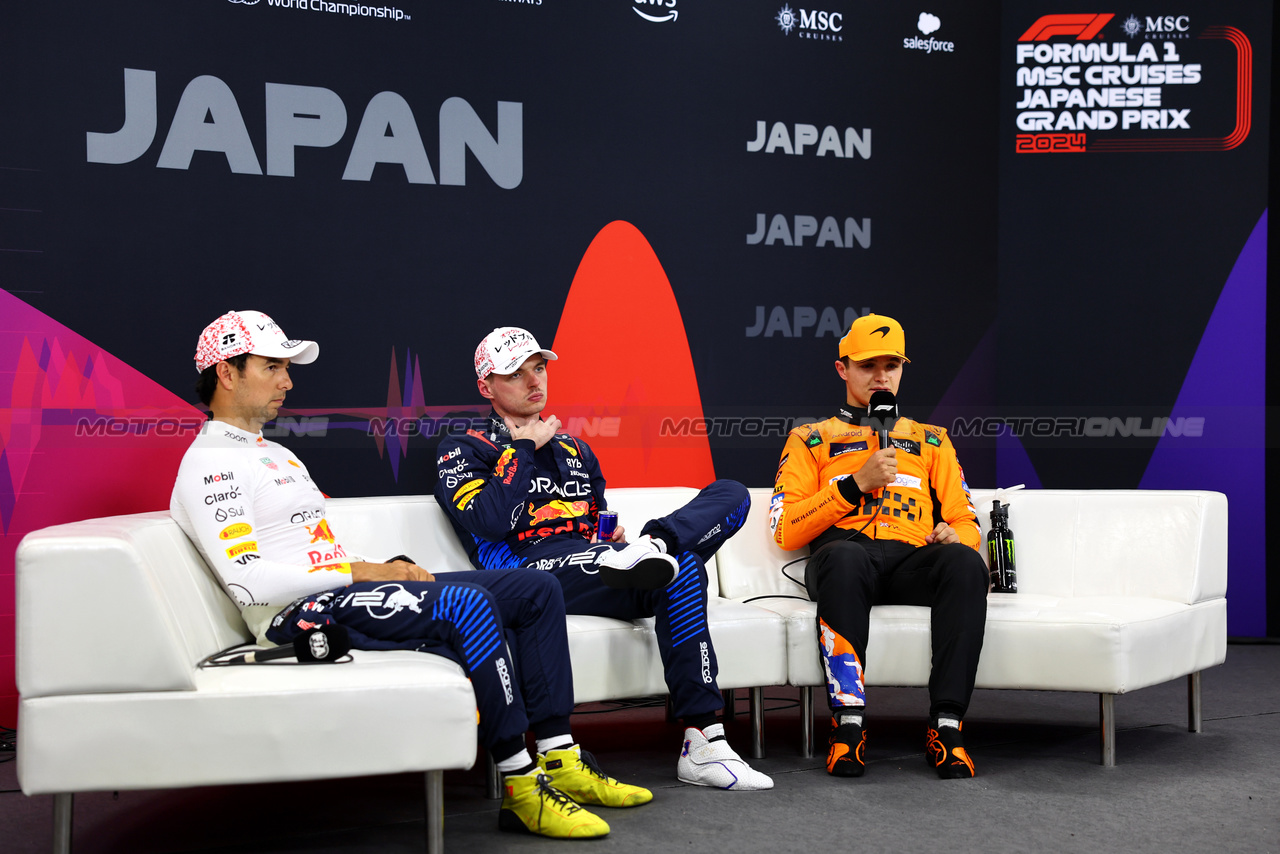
(874, 335)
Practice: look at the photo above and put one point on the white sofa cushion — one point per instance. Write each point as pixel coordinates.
(389, 712)
(1118, 589)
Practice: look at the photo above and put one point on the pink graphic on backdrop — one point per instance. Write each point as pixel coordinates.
(403, 406)
(82, 434)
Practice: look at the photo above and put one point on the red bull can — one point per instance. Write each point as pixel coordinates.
(608, 524)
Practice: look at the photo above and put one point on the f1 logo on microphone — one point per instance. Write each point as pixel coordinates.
(319, 646)
(1083, 27)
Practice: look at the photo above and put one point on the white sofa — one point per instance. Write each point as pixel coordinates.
(114, 614)
(1117, 590)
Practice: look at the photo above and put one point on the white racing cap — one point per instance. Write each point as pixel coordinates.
(504, 350)
(238, 332)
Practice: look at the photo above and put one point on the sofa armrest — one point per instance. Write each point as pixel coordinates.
(128, 590)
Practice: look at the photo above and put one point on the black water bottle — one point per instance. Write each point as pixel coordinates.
(1004, 575)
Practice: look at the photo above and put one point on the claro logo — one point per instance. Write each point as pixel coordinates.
(208, 118)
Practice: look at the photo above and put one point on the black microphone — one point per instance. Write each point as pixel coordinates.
(882, 412)
(320, 645)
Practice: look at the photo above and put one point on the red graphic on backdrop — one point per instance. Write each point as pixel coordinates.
(624, 355)
(82, 434)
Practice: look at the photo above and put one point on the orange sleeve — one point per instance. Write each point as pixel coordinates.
(953, 493)
(802, 506)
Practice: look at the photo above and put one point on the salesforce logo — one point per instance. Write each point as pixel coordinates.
(928, 24)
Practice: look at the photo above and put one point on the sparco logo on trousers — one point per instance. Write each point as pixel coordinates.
(505, 678)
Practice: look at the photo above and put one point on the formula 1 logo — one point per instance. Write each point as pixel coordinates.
(1083, 27)
(385, 601)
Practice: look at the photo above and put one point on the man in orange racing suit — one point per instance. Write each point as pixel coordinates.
(885, 525)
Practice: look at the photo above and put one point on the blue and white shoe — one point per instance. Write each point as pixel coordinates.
(714, 763)
(642, 565)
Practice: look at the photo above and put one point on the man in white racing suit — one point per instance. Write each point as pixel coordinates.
(252, 510)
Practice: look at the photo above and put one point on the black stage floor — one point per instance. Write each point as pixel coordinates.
(1039, 786)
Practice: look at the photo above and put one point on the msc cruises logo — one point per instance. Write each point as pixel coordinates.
(811, 23)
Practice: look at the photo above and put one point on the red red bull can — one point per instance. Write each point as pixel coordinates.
(608, 524)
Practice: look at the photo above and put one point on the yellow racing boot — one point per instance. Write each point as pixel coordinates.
(532, 805)
(574, 771)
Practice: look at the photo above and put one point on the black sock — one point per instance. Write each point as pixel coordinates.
(658, 537)
(703, 721)
(520, 771)
(947, 710)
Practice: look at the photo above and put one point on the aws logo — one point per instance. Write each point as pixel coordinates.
(657, 11)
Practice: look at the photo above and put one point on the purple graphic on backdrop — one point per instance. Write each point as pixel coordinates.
(1226, 385)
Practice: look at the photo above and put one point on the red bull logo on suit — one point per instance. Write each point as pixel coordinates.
(556, 509)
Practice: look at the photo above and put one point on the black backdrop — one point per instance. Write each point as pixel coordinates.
(1099, 284)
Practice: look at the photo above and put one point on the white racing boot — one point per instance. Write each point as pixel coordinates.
(714, 763)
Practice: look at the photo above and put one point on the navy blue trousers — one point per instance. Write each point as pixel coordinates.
(693, 532)
(505, 628)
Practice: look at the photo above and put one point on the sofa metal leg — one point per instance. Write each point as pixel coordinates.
(492, 779)
(730, 704)
(62, 809)
(1194, 719)
(435, 812)
(757, 723)
(806, 722)
(1107, 728)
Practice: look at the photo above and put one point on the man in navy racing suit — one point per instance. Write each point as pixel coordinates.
(255, 515)
(522, 493)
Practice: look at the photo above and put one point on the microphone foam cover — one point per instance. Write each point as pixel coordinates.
(323, 644)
